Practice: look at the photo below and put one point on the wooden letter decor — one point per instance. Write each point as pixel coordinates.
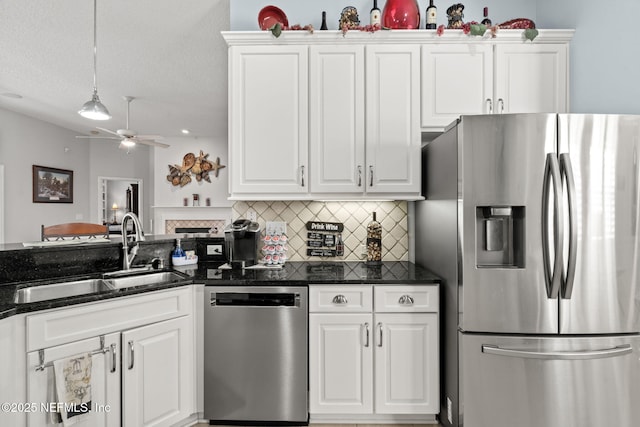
(199, 166)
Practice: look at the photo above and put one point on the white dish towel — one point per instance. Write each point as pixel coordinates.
(73, 388)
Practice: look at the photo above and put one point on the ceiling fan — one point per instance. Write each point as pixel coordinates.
(129, 138)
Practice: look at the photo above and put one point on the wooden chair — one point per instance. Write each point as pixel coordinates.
(74, 230)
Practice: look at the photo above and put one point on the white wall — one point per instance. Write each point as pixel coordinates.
(25, 142)
(604, 52)
(107, 160)
(1, 203)
(166, 195)
(244, 14)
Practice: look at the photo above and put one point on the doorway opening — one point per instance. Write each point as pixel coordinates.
(116, 197)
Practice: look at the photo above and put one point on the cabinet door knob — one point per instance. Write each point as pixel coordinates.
(340, 300)
(131, 354)
(366, 334)
(405, 300)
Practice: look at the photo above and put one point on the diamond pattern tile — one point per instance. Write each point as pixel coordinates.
(354, 215)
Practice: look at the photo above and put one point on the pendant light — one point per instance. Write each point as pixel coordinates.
(94, 109)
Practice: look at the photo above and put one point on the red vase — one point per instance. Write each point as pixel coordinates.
(401, 14)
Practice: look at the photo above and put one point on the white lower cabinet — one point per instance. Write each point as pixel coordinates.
(341, 362)
(377, 363)
(143, 358)
(157, 373)
(105, 383)
(406, 363)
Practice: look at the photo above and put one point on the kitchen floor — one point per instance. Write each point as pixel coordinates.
(349, 425)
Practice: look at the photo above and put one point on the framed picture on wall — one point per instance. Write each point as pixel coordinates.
(52, 185)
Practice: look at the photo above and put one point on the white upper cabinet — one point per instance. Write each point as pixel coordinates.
(393, 119)
(337, 110)
(494, 76)
(339, 116)
(531, 78)
(268, 107)
(364, 120)
(457, 79)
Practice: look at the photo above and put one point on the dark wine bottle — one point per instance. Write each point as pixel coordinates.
(486, 21)
(432, 13)
(375, 15)
(324, 21)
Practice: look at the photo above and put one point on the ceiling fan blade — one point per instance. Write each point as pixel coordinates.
(97, 137)
(156, 137)
(152, 143)
(108, 131)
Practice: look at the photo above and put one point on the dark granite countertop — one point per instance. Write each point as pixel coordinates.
(314, 272)
(292, 273)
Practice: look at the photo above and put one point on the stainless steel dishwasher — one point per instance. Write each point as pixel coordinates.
(255, 355)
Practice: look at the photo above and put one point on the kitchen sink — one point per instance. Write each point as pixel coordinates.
(60, 290)
(109, 282)
(144, 279)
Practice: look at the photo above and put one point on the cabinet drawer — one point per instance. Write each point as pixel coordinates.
(331, 299)
(64, 325)
(406, 298)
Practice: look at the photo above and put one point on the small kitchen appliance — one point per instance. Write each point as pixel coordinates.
(242, 238)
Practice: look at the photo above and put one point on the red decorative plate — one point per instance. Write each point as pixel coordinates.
(270, 15)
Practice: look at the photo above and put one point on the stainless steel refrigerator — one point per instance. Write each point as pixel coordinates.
(533, 222)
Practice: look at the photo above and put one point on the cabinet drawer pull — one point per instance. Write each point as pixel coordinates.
(302, 174)
(501, 105)
(405, 300)
(131, 354)
(379, 326)
(370, 175)
(366, 334)
(340, 300)
(490, 102)
(114, 358)
(359, 176)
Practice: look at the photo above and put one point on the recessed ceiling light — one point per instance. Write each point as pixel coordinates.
(185, 131)
(12, 95)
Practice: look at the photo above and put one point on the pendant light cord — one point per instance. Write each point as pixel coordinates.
(95, 48)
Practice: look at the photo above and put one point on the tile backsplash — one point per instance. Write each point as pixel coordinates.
(355, 216)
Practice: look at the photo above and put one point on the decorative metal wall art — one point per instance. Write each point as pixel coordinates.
(198, 166)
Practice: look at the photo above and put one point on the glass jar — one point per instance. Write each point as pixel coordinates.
(401, 14)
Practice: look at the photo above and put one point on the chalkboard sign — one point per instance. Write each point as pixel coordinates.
(330, 227)
(324, 239)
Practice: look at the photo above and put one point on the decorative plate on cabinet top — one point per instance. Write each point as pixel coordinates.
(270, 15)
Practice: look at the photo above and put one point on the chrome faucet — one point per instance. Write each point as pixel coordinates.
(129, 255)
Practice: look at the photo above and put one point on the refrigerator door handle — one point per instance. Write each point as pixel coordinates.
(567, 172)
(620, 350)
(552, 279)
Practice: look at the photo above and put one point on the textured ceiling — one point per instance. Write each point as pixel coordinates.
(169, 54)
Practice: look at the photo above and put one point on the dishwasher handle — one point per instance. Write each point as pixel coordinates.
(255, 299)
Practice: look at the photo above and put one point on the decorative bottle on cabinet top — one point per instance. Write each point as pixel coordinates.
(401, 14)
(323, 26)
(431, 17)
(486, 21)
(375, 16)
